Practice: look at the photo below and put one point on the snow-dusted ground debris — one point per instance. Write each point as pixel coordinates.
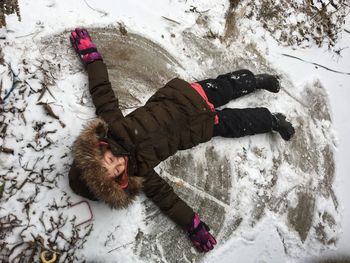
(272, 200)
(298, 23)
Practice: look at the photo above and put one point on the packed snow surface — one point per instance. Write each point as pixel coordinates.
(265, 199)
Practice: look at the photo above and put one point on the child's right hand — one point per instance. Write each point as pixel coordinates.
(83, 45)
(199, 234)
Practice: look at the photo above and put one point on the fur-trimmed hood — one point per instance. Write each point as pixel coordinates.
(87, 158)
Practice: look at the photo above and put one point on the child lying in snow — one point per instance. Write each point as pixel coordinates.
(114, 156)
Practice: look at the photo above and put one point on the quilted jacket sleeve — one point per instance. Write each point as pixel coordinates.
(165, 198)
(103, 97)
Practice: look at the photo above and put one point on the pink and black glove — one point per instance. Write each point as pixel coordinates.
(83, 45)
(199, 234)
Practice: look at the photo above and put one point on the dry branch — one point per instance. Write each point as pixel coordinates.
(6, 150)
(316, 64)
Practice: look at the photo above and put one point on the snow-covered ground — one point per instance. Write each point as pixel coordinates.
(336, 86)
(36, 49)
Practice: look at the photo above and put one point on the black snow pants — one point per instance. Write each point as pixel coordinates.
(236, 122)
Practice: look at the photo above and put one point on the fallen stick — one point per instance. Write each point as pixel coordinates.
(49, 111)
(124, 245)
(104, 13)
(14, 84)
(171, 20)
(33, 33)
(316, 64)
(6, 150)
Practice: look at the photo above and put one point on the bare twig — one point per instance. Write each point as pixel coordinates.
(124, 245)
(35, 33)
(23, 118)
(6, 150)
(43, 91)
(29, 145)
(171, 20)
(104, 13)
(15, 81)
(42, 221)
(62, 124)
(49, 111)
(316, 64)
(23, 183)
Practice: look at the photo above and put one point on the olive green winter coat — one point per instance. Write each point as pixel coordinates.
(174, 118)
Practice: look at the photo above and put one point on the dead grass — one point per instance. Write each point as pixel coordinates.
(231, 29)
(292, 23)
(8, 7)
(234, 3)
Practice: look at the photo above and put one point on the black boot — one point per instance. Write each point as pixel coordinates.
(281, 125)
(267, 82)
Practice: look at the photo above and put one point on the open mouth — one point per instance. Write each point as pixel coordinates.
(122, 180)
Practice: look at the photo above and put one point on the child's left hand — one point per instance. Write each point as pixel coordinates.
(199, 234)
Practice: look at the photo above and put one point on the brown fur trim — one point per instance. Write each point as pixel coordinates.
(88, 155)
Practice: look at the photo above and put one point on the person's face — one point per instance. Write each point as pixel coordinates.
(115, 165)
